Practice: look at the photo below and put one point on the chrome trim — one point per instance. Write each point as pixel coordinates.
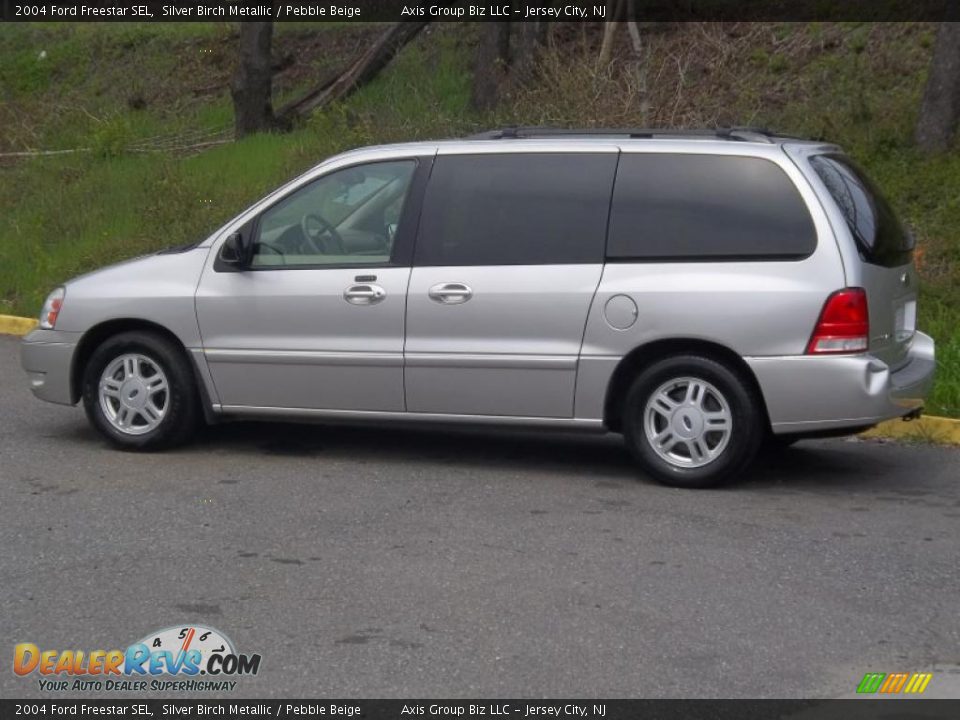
(364, 294)
(513, 362)
(415, 417)
(301, 357)
(450, 293)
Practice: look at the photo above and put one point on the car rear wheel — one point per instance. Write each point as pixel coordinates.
(692, 422)
(139, 392)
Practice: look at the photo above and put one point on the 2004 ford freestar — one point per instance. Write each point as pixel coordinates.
(700, 293)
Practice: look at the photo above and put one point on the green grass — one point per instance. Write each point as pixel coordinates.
(855, 83)
(131, 204)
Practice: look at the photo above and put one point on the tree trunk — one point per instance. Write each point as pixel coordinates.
(361, 71)
(490, 64)
(609, 32)
(530, 37)
(940, 109)
(636, 40)
(252, 83)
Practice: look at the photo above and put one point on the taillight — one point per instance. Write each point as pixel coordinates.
(844, 324)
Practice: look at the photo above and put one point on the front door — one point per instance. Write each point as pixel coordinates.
(317, 320)
(509, 254)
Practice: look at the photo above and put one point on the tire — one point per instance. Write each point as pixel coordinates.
(692, 456)
(147, 381)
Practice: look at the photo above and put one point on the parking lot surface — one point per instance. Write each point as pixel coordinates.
(387, 562)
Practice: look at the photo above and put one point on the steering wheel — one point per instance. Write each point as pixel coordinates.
(317, 229)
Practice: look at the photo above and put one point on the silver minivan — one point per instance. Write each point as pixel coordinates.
(701, 293)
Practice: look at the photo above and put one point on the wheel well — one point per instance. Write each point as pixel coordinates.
(92, 339)
(641, 357)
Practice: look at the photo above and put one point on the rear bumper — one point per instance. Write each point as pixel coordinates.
(809, 394)
(47, 356)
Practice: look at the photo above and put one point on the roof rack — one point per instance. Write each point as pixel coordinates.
(743, 134)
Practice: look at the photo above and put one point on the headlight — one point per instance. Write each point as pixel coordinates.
(51, 308)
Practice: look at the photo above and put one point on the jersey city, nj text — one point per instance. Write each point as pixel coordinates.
(504, 11)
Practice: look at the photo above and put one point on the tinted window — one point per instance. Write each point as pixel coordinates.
(348, 217)
(873, 223)
(516, 209)
(692, 207)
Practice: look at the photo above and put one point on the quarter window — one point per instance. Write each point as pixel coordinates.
(880, 236)
(670, 206)
(516, 209)
(349, 217)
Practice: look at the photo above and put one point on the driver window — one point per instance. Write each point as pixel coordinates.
(348, 217)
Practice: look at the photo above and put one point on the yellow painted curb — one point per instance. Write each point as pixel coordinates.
(928, 428)
(12, 325)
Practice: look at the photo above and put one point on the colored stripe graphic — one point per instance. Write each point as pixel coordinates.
(918, 683)
(871, 682)
(893, 683)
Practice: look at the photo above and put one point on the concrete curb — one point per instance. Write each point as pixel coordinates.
(928, 428)
(13, 325)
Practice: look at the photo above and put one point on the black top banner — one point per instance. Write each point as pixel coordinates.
(866, 709)
(529, 11)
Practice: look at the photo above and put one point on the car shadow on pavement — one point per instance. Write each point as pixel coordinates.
(819, 464)
(834, 464)
(501, 449)
(816, 465)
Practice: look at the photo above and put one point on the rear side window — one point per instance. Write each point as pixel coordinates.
(706, 207)
(516, 209)
(881, 238)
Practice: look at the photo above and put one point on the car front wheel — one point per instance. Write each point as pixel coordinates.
(139, 392)
(692, 422)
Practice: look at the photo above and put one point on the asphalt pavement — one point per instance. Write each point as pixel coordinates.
(387, 562)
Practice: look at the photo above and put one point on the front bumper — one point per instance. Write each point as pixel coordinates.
(47, 356)
(810, 394)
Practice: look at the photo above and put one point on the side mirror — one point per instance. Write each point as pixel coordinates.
(235, 251)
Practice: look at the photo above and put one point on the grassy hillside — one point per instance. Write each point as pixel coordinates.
(128, 95)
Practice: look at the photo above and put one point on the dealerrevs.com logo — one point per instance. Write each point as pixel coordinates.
(182, 658)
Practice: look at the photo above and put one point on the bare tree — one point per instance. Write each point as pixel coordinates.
(614, 11)
(507, 51)
(361, 71)
(940, 110)
(252, 86)
(528, 38)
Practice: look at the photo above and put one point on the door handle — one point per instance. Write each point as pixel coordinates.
(364, 294)
(450, 293)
